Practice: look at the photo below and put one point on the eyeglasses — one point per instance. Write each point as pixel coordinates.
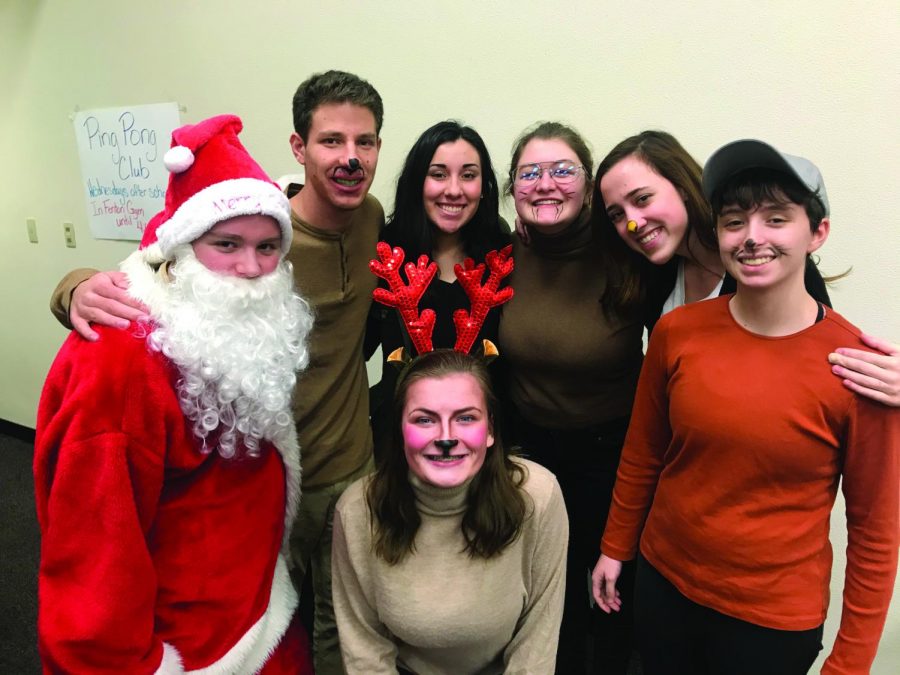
(561, 171)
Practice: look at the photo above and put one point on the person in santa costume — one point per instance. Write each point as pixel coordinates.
(166, 460)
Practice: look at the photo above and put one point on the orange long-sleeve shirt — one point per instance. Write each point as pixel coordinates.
(739, 442)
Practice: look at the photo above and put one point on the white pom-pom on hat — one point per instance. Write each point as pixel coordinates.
(212, 178)
(178, 159)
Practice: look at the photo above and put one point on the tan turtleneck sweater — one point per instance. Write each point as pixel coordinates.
(440, 612)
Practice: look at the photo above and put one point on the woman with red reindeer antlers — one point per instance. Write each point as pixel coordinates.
(450, 558)
(446, 207)
(573, 369)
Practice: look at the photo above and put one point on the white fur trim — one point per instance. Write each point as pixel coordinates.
(222, 200)
(171, 661)
(255, 647)
(289, 448)
(144, 283)
(152, 254)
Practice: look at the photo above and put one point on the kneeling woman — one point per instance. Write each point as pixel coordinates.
(450, 558)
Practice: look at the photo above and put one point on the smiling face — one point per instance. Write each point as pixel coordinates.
(338, 133)
(765, 246)
(449, 408)
(545, 204)
(646, 209)
(243, 246)
(452, 189)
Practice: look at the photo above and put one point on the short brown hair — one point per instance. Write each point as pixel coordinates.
(334, 86)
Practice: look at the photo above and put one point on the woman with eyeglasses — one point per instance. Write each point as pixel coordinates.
(573, 369)
(446, 207)
(658, 229)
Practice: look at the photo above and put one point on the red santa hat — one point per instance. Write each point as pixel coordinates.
(213, 178)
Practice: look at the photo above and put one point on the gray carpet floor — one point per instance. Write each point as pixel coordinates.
(19, 555)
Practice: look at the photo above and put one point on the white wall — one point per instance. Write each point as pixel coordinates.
(818, 78)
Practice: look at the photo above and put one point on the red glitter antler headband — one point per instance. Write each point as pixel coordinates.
(405, 297)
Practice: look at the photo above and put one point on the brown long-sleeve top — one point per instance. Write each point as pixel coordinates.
(570, 364)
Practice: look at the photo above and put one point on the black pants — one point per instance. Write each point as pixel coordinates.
(679, 637)
(585, 463)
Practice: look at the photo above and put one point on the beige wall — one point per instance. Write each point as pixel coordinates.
(816, 78)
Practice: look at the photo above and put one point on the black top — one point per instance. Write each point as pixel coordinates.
(386, 328)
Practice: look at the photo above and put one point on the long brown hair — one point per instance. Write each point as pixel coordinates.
(666, 156)
(496, 504)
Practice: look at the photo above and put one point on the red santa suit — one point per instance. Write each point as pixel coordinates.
(158, 556)
(154, 556)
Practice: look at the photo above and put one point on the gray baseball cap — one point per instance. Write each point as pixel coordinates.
(752, 154)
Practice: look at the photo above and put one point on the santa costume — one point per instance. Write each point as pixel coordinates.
(166, 461)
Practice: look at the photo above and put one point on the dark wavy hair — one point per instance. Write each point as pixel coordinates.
(496, 503)
(750, 188)
(408, 226)
(334, 86)
(666, 156)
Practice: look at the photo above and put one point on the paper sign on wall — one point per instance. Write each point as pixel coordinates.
(121, 152)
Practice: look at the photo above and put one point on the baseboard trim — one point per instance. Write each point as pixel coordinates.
(16, 431)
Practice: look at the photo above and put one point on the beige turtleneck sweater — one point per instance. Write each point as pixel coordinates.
(440, 612)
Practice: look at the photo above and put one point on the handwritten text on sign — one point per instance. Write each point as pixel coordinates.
(121, 151)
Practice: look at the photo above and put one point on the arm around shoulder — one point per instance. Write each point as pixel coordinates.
(871, 374)
(100, 298)
(61, 298)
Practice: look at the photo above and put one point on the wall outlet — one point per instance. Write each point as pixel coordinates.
(31, 226)
(69, 231)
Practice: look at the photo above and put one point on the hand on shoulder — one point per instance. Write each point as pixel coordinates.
(875, 376)
(103, 299)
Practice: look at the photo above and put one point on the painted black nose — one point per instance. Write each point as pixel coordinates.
(446, 445)
(353, 163)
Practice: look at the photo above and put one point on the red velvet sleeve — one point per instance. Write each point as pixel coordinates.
(97, 484)
(870, 484)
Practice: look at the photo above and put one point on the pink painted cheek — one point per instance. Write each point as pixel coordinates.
(415, 437)
(474, 436)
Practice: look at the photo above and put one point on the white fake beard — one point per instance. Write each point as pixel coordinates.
(238, 344)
